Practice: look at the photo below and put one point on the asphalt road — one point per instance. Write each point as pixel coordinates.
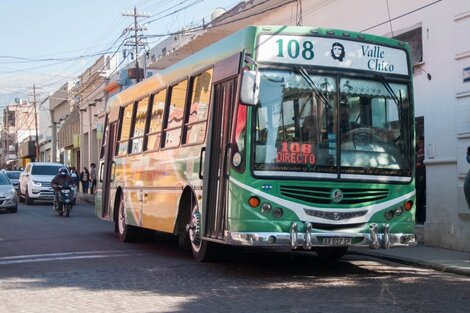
(56, 264)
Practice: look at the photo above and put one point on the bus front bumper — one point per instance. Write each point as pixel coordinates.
(377, 237)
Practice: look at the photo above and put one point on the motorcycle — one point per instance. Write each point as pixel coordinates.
(66, 199)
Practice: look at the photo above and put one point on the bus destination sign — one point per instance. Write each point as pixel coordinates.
(331, 52)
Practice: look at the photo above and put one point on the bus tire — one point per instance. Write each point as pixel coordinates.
(331, 253)
(203, 250)
(127, 233)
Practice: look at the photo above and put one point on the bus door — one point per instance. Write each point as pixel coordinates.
(216, 159)
(107, 166)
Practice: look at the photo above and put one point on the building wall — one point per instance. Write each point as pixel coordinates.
(92, 102)
(444, 100)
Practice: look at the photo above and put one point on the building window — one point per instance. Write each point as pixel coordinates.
(414, 38)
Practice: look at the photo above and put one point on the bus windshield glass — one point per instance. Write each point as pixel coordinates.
(331, 127)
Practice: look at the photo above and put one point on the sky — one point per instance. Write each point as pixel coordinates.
(49, 42)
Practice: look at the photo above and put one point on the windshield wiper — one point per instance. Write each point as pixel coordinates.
(312, 85)
(393, 95)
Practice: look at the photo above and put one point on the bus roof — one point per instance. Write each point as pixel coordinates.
(235, 43)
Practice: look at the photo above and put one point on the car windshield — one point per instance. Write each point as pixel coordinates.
(4, 180)
(13, 175)
(45, 169)
(311, 125)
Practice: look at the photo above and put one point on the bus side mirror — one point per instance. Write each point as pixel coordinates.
(249, 93)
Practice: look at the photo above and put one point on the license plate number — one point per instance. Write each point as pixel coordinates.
(337, 241)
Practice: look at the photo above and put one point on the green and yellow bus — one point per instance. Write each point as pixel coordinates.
(275, 136)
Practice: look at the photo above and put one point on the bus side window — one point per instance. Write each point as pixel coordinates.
(196, 121)
(104, 142)
(174, 115)
(137, 138)
(126, 122)
(156, 117)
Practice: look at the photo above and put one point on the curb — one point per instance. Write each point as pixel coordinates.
(416, 263)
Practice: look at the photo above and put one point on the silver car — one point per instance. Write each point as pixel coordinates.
(14, 177)
(8, 196)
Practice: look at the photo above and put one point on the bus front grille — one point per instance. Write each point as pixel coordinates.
(324, 195)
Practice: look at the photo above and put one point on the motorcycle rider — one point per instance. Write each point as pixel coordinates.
(62, 178)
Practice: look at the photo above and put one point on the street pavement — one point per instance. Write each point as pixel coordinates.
(440, 259)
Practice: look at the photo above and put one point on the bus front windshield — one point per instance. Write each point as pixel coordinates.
(327, 126)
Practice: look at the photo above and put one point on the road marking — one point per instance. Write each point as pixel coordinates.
(63, 256)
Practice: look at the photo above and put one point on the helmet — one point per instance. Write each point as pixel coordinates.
(63, 171)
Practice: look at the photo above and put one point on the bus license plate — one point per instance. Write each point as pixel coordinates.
(337, 241)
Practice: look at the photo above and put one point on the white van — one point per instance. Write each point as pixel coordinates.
(35, 181)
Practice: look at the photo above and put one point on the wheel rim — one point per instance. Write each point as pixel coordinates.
(121, 217)
(195, 230)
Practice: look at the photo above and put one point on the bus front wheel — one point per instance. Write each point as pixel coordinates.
(202, 249)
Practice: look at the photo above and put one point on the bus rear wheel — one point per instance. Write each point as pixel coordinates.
(203, 250)
(127, 233)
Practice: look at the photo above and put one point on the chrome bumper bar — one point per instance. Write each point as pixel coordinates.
(379, 236)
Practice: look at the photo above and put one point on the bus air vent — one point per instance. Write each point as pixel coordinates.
(322, 195)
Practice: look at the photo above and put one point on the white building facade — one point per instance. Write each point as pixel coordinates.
(92, 100)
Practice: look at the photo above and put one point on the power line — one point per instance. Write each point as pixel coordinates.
(137, 43)
(400, 16)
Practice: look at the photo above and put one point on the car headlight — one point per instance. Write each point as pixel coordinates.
(12, 192)
(37, 183)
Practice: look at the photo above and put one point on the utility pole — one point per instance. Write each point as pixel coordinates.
(36, 120)
(137, 42)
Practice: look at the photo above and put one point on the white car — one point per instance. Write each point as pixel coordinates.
(35, 181)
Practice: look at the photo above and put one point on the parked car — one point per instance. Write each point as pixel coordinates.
(14, 177)
(8, 196)
(35, 181)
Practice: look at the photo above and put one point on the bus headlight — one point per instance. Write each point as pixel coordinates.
(266, 207)
(277, 212)
(389, 214)
(398, 210)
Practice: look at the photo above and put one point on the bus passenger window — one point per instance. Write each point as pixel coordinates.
(175, 109)
(195, 126)
(126, 122)
(156, 117)
(137, 139)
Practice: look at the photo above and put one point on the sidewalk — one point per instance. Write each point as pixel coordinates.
(85, 198)
(439, 259)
